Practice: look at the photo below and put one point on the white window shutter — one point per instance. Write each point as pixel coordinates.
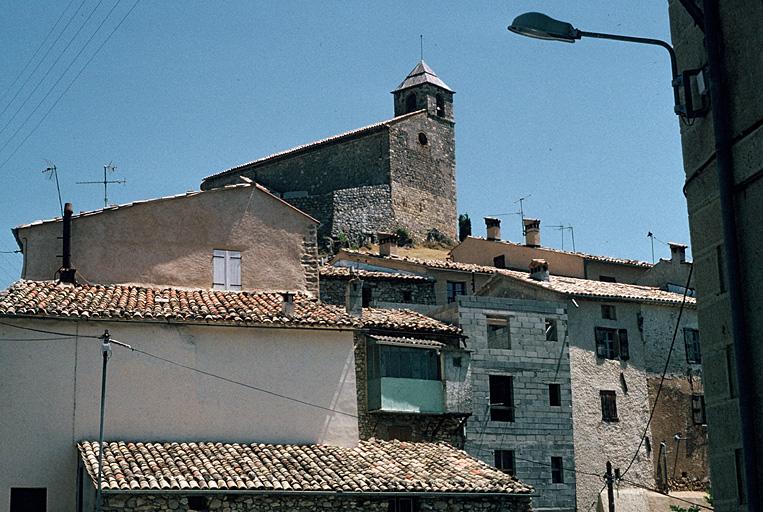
(218, 269)
(234, 270)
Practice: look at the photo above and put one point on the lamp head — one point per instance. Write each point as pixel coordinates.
(540, 26)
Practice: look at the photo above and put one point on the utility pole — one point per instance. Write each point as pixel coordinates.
(650, 235)
(106, 182)
(106, 352)
(610, 487)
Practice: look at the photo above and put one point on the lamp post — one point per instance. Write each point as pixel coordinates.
(540, 26)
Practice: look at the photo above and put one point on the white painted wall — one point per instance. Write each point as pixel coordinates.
(49, 393)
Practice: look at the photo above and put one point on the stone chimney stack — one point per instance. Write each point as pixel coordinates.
(539, 270)
(353, 298)
(287, 306)
(677, 252)
(532, 232)
(493, 227)
(66, 274)
(387, 244)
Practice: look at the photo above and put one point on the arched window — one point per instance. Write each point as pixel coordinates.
(440, 105)
(410, 103)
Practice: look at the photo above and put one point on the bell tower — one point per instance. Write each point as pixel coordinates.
(423, 89)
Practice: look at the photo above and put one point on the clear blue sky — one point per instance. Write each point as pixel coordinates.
(185, 89)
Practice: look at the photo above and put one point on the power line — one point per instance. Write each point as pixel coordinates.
(70, 85)
(642, 486)
(39, 83)
(54, 333)
(71, 18)
(664, 372)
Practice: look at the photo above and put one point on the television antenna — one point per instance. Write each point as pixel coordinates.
(563, 228)
(108, 168)
(52, 172)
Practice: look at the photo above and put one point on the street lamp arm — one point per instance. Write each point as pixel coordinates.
(642, 40)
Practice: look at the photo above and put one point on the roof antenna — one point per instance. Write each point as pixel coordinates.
(521, 202)
(51, 172)
(421, 46)
(106, 182)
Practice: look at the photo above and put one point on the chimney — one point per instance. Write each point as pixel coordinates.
(66, 272)
(677, 252)
(287, 306)
(493, 227)
(532, 232)
(539, 270)
(387, 244)
(353, 298)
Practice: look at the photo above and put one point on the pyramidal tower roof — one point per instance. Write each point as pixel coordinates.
(421, 74)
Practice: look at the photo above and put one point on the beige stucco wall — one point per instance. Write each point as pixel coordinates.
(170, 241)
(50, 392)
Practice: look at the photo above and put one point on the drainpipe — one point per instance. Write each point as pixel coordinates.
(725, 167)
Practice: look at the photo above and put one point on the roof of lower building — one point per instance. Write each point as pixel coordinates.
(310, 145)
(405, 341)
(422, 74)
(373, 466)
(256, 308)
(332, 272)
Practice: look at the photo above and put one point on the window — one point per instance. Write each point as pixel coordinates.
(440, 102)
(608, 405)
(29, 499)
(401, 505)
(423, 139)
(407, 296)
(551, 330)
(555, 395)
(608, 312)
(557, 470)
(455, 288)
(403, 363)
(504, 460)
(691, 341)
(607, 279)
(368, 296)
(410, 103)
(612, 343)
(501, 398)
(498, 333)
(399, 432)
(198, 503)
(499, 261)
(698, 409)
(226, 270)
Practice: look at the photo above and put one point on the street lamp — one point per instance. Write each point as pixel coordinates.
(540, 26)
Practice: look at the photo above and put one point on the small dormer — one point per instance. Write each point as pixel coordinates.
(423, 89)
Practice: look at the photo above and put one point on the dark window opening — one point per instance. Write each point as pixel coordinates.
(607, 279)
(29, 499)
(440, 102)
(612, 343)
(501, 398)
(455, 288)
(399, 432)
(555, 395)
(401, 505)
(608, 405)
(698, 409)
(410, 103)
(499, 261)
(198, 503)
(504, 460)
(691, 342)
(423, 139)
(557, 470)
(457, 362)
(608, 312)
(721, 273)
(407, 296)
(498, 333)
(367, 296)
(551, 330)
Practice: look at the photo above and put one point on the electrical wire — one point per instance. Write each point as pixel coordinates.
(54, 333)
(664, 372)
(70, 85)
(665, 494)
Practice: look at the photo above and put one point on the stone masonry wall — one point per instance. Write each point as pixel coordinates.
(361, 210)
(539, 431)
(309, 503)
(422, 292)
(309, 259)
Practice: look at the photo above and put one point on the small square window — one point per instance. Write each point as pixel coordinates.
(401, 505)
(29, 499)
(555, 395)
(499, 261)
(612, 343)
(407, 296)
(498, 333)
(198, 503)
(608, 405)
(698, 409)
(557, 470)
(504, 460)
(454, 289)
(608, 312)
(551, 330)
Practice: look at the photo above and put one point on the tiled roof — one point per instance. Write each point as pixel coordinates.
(134, 302)
(371, 467)
(334, 138)
(422, 74)
(591, 257)
(405, 341)
(332, 272)
(429, 263)
(575, 287)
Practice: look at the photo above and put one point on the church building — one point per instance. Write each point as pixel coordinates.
(398, 173)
